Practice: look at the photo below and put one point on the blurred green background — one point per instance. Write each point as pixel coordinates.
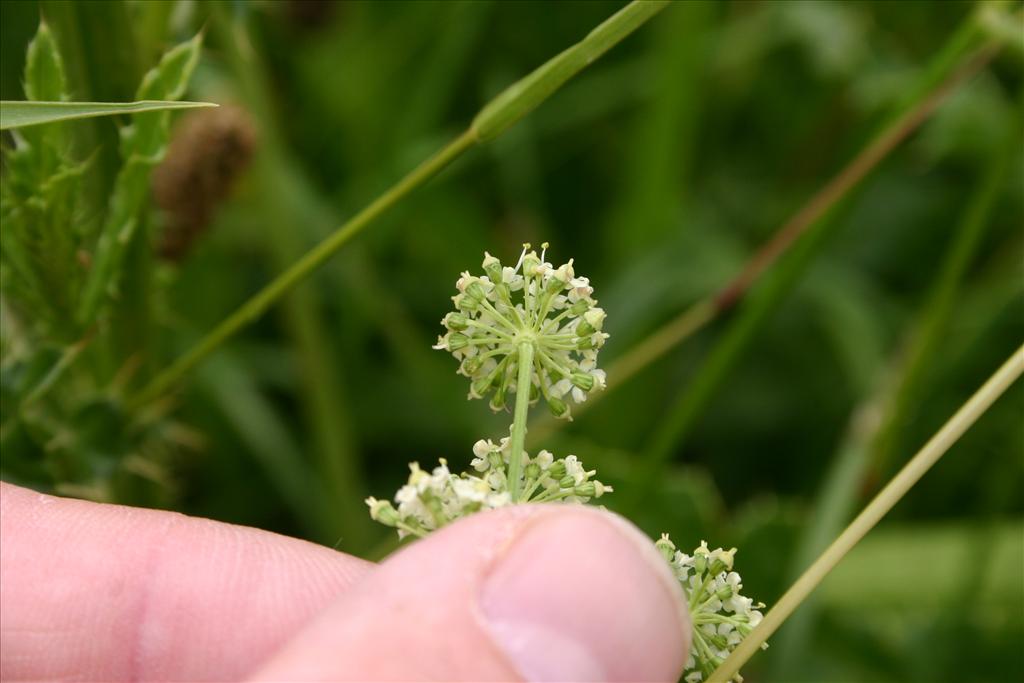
(660, 170)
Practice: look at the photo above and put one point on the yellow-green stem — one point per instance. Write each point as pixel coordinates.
(515, 458)
(954, 428)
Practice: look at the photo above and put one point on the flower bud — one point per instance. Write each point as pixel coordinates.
(557, 406)
(457, 341)
(492, 267)
(532, 471)
(482, 385)
(557, 470)
(383, 512)
(531, 264)
(666, 547)
(584, 329)
(583, 380)
(475, 291)
(567, 482)
(721, 560)
(456, 321)
(579, 308)
(465, 303)
(498, 400)
(584, 343)
(595, 318)
(586, 489)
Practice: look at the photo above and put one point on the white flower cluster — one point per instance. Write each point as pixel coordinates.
(431, 500)
(545, 479)
(550, 308)
(720, 616)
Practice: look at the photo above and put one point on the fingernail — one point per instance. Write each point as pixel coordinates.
(584, 596)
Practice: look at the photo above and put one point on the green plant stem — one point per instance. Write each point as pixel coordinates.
(518, 440)
(494, 118)
(925, 458)
(809, 225)
(926, 343)
(934, 87)
(886, 409)
(301, 269)
(526, 94)
(278, 182)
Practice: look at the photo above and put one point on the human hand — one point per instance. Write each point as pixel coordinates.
(104, 592)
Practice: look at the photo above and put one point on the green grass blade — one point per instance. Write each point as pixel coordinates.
(837, 497)
(22, 114)
(926, 344)
(507, 108)
(808, 229)
(526, 94)
(935, 84)
(894, 491)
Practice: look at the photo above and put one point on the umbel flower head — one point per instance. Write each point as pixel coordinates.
(534, 303)
(720, 616)
(431, 500)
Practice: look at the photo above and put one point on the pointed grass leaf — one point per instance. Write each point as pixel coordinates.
(23, 114)
(526, 94)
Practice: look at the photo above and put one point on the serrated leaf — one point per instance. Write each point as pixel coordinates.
(168, 80)
(142, 146)
(22, 114)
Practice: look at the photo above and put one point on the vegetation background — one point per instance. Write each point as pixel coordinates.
(661, 169)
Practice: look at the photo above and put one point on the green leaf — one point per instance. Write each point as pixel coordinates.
(142, 146)
(44, 70)
(21, 114)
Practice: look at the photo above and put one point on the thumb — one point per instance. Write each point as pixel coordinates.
(540, 593)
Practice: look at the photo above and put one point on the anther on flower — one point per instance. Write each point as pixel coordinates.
(721, 617)
(550, 309)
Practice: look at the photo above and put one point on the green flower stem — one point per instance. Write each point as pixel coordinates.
(515, 461)
(894, 491)
(496, 117)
